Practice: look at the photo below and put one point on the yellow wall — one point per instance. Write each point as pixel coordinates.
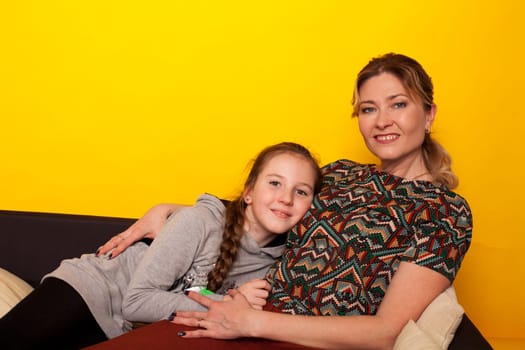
(108, 107)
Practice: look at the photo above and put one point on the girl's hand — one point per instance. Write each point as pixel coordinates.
(256, 292)
(146, 227)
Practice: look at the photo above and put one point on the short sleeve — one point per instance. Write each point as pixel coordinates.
(442, 238)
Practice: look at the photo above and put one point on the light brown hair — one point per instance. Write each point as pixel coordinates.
(419, 85)
(234, 217)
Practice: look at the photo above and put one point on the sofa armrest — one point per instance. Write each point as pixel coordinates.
(33, 244)
(165, 334)
(468, 337)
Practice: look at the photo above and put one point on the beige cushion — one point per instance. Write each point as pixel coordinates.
(436, 326)
(412, 338)
(12, 290)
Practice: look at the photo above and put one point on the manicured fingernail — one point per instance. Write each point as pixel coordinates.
(172, 316)
(186, 292)
(98, 251)
(181, 334)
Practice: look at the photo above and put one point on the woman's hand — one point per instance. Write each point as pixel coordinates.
(146, 227)
(256, 292)
(228, 319)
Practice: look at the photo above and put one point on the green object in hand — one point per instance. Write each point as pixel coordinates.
(205, 291)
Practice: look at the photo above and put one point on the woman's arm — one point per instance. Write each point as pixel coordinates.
(148, 226)
(410, 292)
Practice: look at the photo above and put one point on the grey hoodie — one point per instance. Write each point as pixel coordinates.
(145, 284)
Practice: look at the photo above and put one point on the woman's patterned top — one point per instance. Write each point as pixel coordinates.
(342, 256)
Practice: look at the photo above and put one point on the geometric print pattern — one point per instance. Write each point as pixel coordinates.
(342, 256)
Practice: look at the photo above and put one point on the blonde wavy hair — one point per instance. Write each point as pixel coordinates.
(418, 84)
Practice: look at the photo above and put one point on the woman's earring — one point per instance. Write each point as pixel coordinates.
(247, 200)
(427, 131)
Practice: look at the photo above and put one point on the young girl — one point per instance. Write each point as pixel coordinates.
(92, 298)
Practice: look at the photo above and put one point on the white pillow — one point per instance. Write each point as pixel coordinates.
(437, 324)
(12, 290)
(413, 338)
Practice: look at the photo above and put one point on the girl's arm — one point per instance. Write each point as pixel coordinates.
(410, 292)
(190, 237)
(148, 226)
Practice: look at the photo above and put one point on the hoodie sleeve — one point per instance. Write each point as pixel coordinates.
(191, 236)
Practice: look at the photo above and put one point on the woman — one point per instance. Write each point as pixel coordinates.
(379, 243)
(92, 298)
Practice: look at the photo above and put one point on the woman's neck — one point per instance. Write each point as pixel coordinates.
(413, 169)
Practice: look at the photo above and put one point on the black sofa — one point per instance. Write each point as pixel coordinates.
(32, 244)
